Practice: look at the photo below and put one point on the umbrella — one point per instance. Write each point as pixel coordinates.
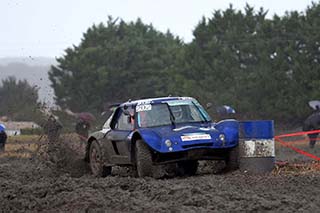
(315, 104)
(86, 116)
(224, 110)
(2, 127)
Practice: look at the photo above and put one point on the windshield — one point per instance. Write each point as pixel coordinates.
(178, 111)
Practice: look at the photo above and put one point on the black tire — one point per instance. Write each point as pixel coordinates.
(143, 159)
(188, 168)
(96, 161)
(232, 161)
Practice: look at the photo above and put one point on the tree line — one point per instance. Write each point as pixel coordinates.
(266, 68)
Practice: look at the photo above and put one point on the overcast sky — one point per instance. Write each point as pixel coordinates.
(47, 27)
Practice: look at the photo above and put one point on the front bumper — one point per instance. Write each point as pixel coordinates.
(192, 145)
(192, 154)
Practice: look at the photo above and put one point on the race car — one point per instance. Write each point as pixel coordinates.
(168, 130)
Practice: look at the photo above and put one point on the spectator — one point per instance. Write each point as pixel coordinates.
(312, 123)
(3, 138)
(52, 129)
(82, 128)
(83, 125)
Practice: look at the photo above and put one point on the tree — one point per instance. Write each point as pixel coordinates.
(266, 68)
(223, 58)
(114, 63)
(19, 100)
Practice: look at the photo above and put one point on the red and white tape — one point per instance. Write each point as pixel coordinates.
(279, 138)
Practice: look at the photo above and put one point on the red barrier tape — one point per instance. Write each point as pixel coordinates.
(297, 134)
(300, 151)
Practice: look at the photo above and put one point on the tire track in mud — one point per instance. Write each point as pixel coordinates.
(38, 184)
(27, 185)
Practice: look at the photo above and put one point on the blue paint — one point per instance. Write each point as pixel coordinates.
(155, 137)
(2, 128)
(263, 129)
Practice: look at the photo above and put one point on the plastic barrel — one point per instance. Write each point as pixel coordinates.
(256, 141)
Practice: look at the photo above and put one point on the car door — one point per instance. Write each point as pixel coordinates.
(117, 137)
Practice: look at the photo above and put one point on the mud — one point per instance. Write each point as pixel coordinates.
(38, 183)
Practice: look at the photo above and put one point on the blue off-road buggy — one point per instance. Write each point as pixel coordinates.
(156, 131)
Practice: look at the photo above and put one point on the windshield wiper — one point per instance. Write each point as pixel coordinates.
(172, 118)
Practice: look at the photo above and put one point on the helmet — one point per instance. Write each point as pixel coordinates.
(177, 112)
(2, 128)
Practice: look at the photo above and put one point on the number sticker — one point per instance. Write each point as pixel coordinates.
(143, 107)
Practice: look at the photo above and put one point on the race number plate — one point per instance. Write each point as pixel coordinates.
(143, 107)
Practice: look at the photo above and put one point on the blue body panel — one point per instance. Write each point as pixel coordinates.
(192, 136)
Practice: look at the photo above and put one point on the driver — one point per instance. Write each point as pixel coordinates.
(177, 112)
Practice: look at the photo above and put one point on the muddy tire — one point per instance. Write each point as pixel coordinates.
(143, 159)
(96, 161)
(188, 168)
(232, 161)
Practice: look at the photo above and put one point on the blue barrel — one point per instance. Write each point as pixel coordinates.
(256, 142)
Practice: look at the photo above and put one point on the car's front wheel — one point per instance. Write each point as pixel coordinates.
(96, 163)
(143, 159)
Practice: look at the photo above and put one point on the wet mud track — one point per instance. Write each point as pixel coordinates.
(30, 184)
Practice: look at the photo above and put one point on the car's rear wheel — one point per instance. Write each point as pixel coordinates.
(232, 161)
(96, 162)
(143, 159)
(188, 168)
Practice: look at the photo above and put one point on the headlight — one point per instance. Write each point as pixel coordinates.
(222, 137)
(168, 143)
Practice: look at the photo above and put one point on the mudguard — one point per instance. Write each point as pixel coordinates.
(230, 128)
(151, 138)
(98, 136)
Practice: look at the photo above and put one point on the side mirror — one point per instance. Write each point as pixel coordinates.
(128, 114)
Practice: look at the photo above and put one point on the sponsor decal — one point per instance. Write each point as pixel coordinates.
(179, 102)
(144, 102)
(193, 137)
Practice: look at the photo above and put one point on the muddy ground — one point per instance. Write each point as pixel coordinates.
(33, 182)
